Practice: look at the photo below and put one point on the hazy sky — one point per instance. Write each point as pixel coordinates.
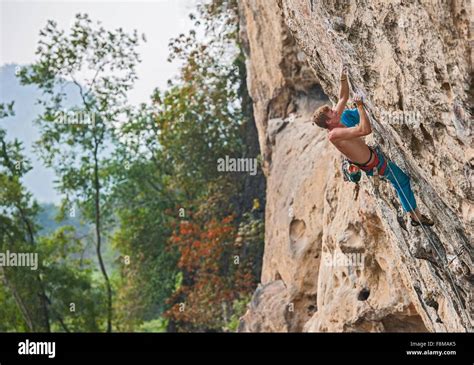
(21, 21)
(160, 20)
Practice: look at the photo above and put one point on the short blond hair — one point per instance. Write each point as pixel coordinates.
(320, 116)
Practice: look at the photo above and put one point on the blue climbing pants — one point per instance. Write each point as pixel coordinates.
(399, 180)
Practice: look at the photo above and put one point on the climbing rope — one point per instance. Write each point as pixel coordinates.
(446, 267)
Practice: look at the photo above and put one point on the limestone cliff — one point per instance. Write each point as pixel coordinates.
(338, 257)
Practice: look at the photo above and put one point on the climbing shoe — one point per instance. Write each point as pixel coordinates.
(425, 221)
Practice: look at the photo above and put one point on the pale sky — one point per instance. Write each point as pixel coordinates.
(160, 20)
(21, 21)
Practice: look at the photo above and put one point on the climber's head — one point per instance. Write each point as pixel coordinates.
(325, 117)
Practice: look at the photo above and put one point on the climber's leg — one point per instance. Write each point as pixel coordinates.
(401, 183)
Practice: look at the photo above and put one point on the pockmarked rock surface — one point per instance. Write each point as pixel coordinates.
(339, 256)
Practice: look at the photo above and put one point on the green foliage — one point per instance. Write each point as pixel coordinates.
(69, 282)
(17, 234)
(141, 197)
(144, 179)
(239, 307)
(202, 118)
(40, 301)
(155, 325)
(79, 152)
(11, 319)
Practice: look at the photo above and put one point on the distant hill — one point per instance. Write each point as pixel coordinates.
(46, 219)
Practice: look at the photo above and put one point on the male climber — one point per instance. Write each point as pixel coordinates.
(345, 129)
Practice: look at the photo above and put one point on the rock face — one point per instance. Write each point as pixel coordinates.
(338, 257)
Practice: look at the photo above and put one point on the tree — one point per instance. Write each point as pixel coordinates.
(207, 114)
(77, 142)
(146, 180)
(39, 300)
(213, 277)
(18, 232)
(142, 197)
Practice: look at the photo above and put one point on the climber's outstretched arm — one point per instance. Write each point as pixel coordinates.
(362, 129)
(343, 91)
(364, 119)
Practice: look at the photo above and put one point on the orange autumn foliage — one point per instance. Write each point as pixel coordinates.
(211, 278)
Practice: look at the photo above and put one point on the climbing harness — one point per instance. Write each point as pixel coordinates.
(352, 170)
(373, 166)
